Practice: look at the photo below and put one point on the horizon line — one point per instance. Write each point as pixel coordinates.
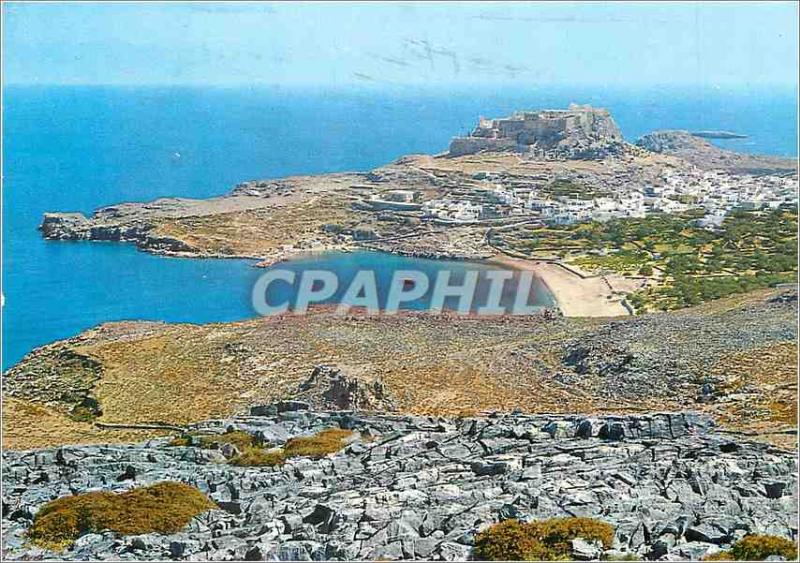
(402, 86)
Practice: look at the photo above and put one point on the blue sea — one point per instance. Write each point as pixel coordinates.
(78, 148)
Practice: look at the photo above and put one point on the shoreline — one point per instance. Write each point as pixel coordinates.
(574, 296)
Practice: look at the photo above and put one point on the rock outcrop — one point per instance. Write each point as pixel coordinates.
(329, 389)
(580, 132)
(421, 488)
(703, 154)
(141, 223)
(101, 227)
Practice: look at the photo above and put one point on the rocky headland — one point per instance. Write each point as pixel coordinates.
(579, 132)
(671, 484)
(694, 149)
(274, 219)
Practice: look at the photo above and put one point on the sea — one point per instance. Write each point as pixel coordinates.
(76, 148)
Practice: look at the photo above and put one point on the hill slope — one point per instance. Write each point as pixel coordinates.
(733, 357)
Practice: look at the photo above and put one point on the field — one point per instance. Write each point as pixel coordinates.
(686, 264)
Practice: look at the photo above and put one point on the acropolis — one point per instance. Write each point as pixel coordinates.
(579, 132)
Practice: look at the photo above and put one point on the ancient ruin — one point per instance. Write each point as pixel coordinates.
(580, 132)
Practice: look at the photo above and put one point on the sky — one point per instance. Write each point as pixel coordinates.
(402, 44)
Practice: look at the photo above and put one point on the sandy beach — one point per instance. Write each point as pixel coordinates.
(575, 296)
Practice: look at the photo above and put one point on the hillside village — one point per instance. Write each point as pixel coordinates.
(583, 132)
(715, 192)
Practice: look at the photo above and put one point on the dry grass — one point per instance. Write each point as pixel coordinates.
(180, 441)
(179, 376)
(29, 425)
(253, 456)
(432, 365)
(317, 446)
(163, 508)
(183, 373)
(719, 556)
(767, 377)
(259, 232)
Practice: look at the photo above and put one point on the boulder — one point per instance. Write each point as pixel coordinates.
(329, 388)
(495, 466)
(612, 431)
(583, 550)
(559, 429)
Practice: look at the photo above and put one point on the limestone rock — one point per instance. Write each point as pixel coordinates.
(422, 488)
(579, 132)
(329, 388)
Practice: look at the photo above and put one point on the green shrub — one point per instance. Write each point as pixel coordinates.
(719, 556)
(543, 540)
(87, 410)
(507, 541)
(163, 508)
(317, 446)
(557, 532)
(253, 456)
(758, 547)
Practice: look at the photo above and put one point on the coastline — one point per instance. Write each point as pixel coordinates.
(574, 296)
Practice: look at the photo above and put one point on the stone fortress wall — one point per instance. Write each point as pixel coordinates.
(577, 132)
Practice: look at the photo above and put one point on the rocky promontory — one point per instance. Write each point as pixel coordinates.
(404, 487)
(696, 150)
(270, 219)
(579, 132)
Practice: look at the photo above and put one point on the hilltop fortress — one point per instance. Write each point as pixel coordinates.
(580, 132)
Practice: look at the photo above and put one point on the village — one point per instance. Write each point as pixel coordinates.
(565, 201)
(605, 180)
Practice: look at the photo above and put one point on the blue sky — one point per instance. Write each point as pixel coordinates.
(404, 44)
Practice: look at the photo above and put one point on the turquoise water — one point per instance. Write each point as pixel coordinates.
(78, 148)
(345, 265)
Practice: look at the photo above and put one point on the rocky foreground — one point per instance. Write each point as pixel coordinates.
(672, 485)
